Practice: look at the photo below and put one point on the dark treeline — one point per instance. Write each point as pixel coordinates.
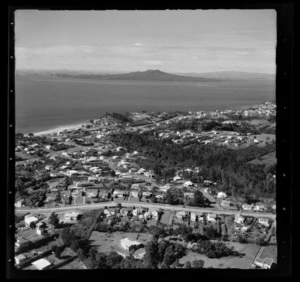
(119, 117)
(199, 125)
(229, 168)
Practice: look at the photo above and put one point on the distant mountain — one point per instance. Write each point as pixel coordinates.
(149, 75)
(231, 75)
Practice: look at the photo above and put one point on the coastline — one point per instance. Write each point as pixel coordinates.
(60, 129)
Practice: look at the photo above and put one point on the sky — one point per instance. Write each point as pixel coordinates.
(176, 41)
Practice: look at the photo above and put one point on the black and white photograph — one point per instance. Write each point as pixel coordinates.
(145, 139)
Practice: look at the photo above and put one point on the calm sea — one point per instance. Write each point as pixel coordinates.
(44, 102)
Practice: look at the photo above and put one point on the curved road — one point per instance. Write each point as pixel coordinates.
(143, 204)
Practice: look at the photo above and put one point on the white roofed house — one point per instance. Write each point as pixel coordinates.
(19, 203)
(176, 178)
(188, 184)
(180, 214)
(19, 259)
(48, 167)
(211, 217)
(41, 228)
(264, 221)
(221, 195)
(225, 203)
(41, 264)
(72, 216)
(247, 207)
(28, 219)
(141, 171)
(259, 207)
(193, 216)
(239, 219)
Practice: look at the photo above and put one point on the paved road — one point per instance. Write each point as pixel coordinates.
(143, 204)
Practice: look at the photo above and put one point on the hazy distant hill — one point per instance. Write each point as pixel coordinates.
(149, 75)
(231, 75)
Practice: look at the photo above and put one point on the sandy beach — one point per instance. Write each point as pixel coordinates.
(60, 129)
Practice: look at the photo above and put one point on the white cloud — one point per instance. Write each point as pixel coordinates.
(138, 44)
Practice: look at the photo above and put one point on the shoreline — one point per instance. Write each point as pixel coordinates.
(60, 129)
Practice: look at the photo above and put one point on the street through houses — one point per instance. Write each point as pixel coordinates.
(144, 204)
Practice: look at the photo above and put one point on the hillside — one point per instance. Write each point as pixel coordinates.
(232, 75)
(149, 75)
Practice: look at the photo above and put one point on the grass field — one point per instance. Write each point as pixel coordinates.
(250, 251)
(267, 159)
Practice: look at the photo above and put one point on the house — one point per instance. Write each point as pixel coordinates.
(149, 174)
(135, 186)
(40, 228)
(141, 171)
(176, 178)
(92, 178)
(225, 203)
(193, 216)
(133, 169)
(265, 263)
(189, 195)
(211, 217)
(126, 243)
(20, 259)
(207, 182)
(119, 193)
(165, 188)
(221, 195)
(180, 214)
(124, 211)
(72, 216)
(239, 219)
(41, 231)
(188, 184)
(247, 207)
(154, 214)
(107, 212)
(48, 167)
(147, 194)
(264, 221)
(159, 196)
(41, 264)
(28, 219)
(259, 207)
(19, 203)
(139, 254)
(134, 194)
(206, 190)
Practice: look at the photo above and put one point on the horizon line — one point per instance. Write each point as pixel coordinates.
(130, 71)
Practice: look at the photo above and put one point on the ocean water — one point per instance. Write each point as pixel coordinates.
(44, 103)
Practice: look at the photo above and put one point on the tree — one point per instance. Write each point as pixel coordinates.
(199, 199)
(198, 263)
(113, 259)
(210, 232)
(187, 264)
(53, 219)
(58, 197)
(151, 258)
(174, 196)
(58, 251)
